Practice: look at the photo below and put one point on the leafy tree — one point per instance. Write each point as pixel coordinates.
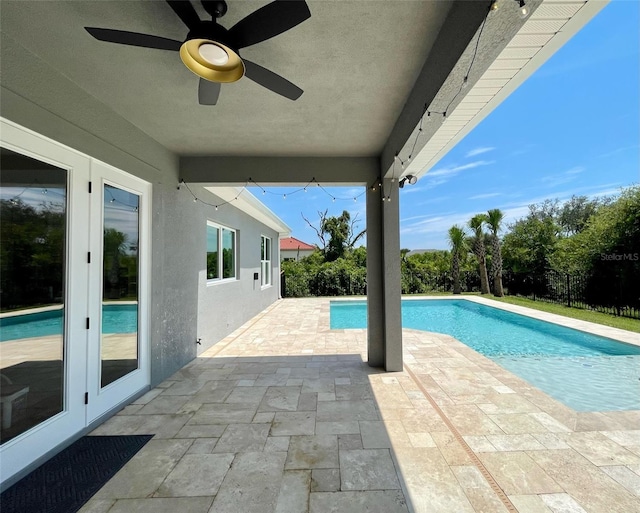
(476, 223)
(494, 221)
(336, 234)
(115, 244)
(575, 213)
(608, 248)
(458, 242)
(31, 254)
(529, 246)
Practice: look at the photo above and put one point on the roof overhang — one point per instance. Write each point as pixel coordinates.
(546, 30)
(242, 199)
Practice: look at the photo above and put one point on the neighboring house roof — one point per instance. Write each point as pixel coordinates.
(291, 243)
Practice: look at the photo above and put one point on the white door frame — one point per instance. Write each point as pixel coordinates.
(101, 400)
(80, 375)
(32, 444)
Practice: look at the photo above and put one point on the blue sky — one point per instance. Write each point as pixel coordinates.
(571, 128)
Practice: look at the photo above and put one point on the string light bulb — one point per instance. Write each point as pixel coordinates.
(523, 10)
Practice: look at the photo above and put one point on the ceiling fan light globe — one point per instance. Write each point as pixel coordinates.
(213, 54)
(198, 54)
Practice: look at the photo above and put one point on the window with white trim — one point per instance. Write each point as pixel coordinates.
(221, 252)
(265, 261)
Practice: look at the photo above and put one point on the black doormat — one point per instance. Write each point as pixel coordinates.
(65, 482)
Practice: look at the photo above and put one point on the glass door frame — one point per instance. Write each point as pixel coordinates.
(102, 399)
(82, 299)
(35, 443)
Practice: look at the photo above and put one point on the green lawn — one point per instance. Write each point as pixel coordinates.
(623, 323)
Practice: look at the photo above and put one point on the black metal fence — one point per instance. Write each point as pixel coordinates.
(611, 294)
(607, 294)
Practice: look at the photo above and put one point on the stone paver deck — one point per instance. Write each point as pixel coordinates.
(284, 415)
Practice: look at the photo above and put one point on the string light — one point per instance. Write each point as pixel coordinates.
(250, 181)
(524, 12)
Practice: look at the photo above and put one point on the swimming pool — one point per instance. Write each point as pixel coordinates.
(116, 319)
(584, 371)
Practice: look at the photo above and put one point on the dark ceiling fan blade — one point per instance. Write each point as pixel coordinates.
(271, 80)
(134, 39)
(186, 12)
(269, 21)
(208, 92)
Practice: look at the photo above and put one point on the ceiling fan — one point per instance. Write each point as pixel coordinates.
(212, 51)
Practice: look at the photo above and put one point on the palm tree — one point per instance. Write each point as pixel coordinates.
(458, 241)
(476, 223)
(494, 219)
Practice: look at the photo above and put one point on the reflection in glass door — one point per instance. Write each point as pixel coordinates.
(120, 270)
(33, 225)
(118, 349)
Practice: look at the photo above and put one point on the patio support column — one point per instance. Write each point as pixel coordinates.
(384, 325)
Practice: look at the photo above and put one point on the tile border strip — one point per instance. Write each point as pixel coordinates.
(474, 458)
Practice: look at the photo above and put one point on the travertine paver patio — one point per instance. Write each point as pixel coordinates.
(284, 415)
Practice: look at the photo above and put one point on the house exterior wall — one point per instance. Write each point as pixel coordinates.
(224, 306)
(37, 97)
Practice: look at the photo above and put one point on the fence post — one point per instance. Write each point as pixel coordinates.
(568, 290)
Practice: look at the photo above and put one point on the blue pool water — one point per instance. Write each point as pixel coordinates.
(116, 319)
(584, 371)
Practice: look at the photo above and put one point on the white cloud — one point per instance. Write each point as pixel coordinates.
(487, 195)
(431, 230)
(454, 170)
(618, 150)
(479, 151)
(564, 177)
